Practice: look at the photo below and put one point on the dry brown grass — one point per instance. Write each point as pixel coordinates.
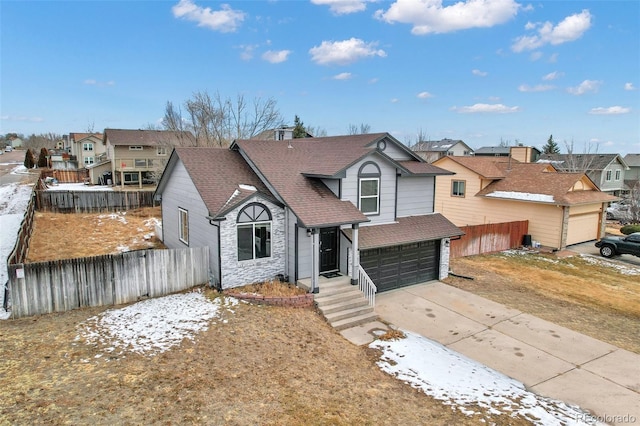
(65, 236)
(261, 365)
(591, 299)
(269, 288)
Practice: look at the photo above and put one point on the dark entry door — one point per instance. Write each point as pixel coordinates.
(328, 249)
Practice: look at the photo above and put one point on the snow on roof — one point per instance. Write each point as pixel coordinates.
(247, 187)
(524, 196)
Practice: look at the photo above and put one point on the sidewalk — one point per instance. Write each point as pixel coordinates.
(550, 360)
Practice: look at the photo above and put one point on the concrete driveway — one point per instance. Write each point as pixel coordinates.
(590, 248)
(550, 360)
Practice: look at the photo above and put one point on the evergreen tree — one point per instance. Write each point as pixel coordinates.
(551, 147)
(29, 161)
(43, 161)
(298, 130)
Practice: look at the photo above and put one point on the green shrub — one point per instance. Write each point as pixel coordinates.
(630, 229)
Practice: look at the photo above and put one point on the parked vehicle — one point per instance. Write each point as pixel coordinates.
(8, 148)
(614, 246)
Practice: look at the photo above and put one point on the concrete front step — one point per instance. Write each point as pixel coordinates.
(332, 299)
(348, 313)
(354, 321)
(344, 305)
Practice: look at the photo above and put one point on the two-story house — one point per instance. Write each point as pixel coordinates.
(139, 156)
(86, 147)
(607, 171)
(433, 150)
(302, 208)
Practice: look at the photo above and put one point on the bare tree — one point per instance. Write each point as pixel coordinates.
(363, 129)
(43, 140)
(217, 121)
(633, 200)
(317, 132)
(579, 162)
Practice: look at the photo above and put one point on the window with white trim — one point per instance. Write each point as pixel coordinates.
(369, 188)
(183, 225)
(135, 148)
(608, 176)
(88, 161)
(87, 146)
(161, 150)
(254, 232)
(457, 188)
(618, 173)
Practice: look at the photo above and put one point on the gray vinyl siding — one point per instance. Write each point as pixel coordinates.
(304, 254)
(396, 153)
(333, 185)
(345, 255)
(613, 184)
(291, 244)
(180, 192)
(387, 188)
(415, 195)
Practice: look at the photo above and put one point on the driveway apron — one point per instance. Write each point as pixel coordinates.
(550, 360)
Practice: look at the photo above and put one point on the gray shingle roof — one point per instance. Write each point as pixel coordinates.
(149, 137)
(436, 146)
(590, 161)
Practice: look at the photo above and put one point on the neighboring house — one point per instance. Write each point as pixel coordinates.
(279, 134)
(524, 154)
(302, 207)
(562, 208)
(433, 150)
(607, 171)
(632, 174)
(139, 156)
(86, 147)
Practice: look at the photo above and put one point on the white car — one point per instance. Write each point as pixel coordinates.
(8, 148)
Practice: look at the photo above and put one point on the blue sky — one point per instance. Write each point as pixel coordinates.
(483, 71)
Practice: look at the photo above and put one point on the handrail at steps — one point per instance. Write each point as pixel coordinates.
(367, 286)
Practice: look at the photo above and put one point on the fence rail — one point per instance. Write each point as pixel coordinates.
(63, 285)
(490, 237)
(66, 175)
(92, 201)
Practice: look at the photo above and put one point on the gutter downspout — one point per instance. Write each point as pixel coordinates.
(355, 255)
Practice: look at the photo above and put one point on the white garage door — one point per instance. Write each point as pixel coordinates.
(583, 227)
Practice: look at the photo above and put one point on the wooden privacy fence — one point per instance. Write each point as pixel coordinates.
(490, 237)
(66, 176)
(63, 285)
(92, 201)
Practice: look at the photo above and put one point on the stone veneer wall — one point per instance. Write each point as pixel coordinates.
(238, 273)
(445, 249)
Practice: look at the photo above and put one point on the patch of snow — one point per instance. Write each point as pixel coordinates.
(153, 326)
(247, 187)
(119, 216)
(607, 263)
(466, 384)
(524, 196)
(77, 187)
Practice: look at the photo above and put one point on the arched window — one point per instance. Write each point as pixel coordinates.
(254, 232)
(369, 188)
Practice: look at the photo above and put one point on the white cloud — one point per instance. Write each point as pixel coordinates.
(92, 82)
(343, 7)
(552, 76)
(395, 100)
(431, 17)
(344, 52)
(535, 56)
(553, 58)
(536, 88)
(225, 20)
(247, 51)
(479, 73)
(342, 76)
(374, 80)
(614, 110)
(424, 95)
(276, 56)
(21, 118)
(586, 86)
(487, 108)
(629, 86)
(570, 28)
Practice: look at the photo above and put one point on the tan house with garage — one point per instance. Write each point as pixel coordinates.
(562, 208)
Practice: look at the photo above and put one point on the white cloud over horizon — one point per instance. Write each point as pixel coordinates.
(343, 76)
(276, 56)
(569, 29)
(344, 52)
(343, 7)
(587, 86)
(536, 88)
(21, 118)
(431, 17)
(479, 73)
(424, 95)
(225, 20)
(486, 108)
(613, 110)
(629, 86)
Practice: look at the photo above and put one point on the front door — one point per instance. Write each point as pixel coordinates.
(328, 249)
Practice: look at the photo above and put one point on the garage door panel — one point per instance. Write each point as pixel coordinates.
(400, 266)
(584, 227)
